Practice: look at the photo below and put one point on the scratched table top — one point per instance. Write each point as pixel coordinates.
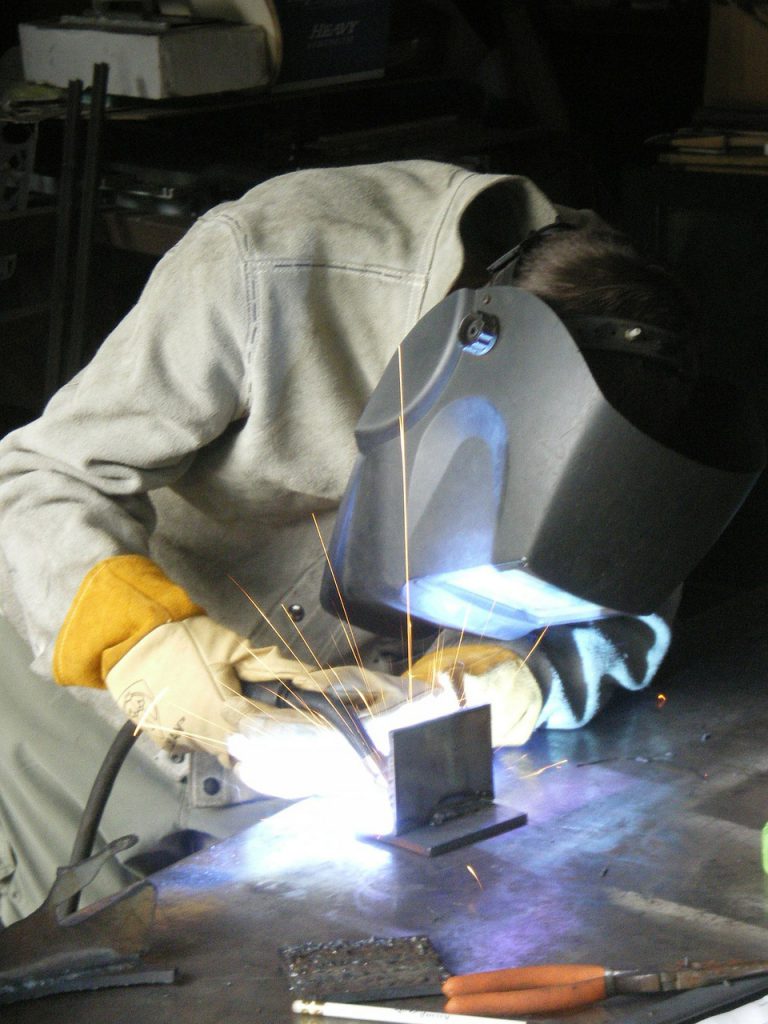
(642, 847)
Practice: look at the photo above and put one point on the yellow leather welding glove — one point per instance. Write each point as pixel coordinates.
(181, 684)
(119, 602)
(171, 669)
(174, 671)
(484, 673)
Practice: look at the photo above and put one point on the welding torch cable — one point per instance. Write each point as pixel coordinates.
(538, 989)
(97, 798)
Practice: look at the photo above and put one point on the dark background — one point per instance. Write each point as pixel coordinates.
(566, 91)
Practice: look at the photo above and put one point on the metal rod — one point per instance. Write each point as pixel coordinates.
(88, 209)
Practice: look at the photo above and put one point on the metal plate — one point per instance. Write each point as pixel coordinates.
(432, 840)
(440, 763)
(366, 970)
(632, 857)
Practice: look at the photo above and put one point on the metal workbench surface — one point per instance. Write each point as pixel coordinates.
(642, 847)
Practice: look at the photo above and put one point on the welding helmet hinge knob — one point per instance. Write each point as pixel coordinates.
(479, 332)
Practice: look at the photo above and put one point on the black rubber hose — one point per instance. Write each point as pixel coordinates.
(328, 706)
(97, 799)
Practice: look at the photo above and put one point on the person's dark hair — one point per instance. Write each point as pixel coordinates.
(596, 271)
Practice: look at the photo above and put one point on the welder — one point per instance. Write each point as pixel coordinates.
(163, 523)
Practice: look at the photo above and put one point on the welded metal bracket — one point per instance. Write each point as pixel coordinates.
(51, 951)
(442, 791)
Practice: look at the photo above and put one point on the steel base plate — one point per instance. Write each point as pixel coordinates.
(432, 840)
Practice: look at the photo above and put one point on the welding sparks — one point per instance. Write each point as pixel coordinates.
(141, 723)
(540, 771)
(346, 625)
(509, 765)
(368, 695)
(284, 694)
(539, 638)
(474, 874)
(329, 673)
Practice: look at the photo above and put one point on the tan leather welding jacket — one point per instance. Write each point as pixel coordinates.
(218, 416)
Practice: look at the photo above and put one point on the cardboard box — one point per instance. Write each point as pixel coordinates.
(737, 59)
(332, 40)
(190, 60)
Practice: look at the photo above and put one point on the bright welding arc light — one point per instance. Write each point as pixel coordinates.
(318, 763)
(426, 707)
(297, 760)
(502, 603)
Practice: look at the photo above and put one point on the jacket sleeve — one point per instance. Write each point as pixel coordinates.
(580, 667)
(169, 379)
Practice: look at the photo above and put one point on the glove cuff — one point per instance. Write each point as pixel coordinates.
(119, 602)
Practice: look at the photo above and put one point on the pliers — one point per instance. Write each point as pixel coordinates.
(555, 987)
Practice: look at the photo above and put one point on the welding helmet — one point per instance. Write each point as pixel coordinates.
(497, 490)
